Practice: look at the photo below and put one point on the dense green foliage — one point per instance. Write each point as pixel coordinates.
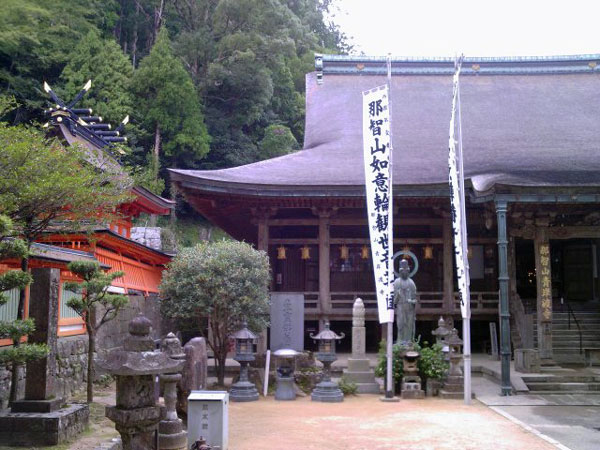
(431, 363)
(95, 305)
(232, 70)
(226, 282)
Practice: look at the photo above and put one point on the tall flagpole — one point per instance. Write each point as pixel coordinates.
(466, 317)
(459, 223)
(389, 390)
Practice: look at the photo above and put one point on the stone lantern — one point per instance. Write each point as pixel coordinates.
(441, 333)
(454, 345)
(244, 390)
(327, 390)
(411, 381)
(135, 367)
(285, 374)
(170, 429)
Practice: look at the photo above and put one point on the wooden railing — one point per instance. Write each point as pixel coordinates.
(427, 302)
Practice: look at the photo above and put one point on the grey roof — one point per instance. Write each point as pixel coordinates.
(525, 122)
(61, 254)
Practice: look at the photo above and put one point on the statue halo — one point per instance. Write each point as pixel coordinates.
(412, 256)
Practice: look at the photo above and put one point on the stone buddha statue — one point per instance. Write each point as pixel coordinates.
(405, 301)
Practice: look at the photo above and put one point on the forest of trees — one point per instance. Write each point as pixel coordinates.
(208, 83)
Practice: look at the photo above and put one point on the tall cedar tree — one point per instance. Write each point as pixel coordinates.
(169, 107)
(110, 70)
(224, 282)
(95, 305)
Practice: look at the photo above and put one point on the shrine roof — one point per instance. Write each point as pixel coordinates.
(60, 254)
(526, 122)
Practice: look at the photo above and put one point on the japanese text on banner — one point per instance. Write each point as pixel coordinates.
(378, 184)
(457, 208)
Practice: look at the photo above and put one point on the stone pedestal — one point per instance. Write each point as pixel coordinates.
(527, 360)
(454, 387)
(170, 428)
(358, 371)
(285, 389)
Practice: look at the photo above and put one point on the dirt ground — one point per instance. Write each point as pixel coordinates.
(364, 422)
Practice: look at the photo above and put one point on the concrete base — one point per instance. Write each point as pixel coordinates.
(327, 391)
(359, 373)
(389, 399)
(42, 429)
(412, 389)
(243, 391)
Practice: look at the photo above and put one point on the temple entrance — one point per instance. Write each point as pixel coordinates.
(575, 271)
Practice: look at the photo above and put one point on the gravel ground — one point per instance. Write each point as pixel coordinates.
(364, 422)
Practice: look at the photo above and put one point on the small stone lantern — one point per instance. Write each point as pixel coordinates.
(455, 344)
(411, 381)
(244, 390)
(441, 333)
(327, 390)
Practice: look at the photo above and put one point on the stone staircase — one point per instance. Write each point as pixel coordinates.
(563, 384)
(565, 340)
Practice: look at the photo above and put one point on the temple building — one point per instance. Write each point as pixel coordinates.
(110, 245)
(530, 130)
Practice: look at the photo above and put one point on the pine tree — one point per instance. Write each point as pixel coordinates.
(110, 70)
(169, 107)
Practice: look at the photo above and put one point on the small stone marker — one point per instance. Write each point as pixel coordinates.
(287, 321)
(358, 370)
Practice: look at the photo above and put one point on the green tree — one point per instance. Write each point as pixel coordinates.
(35, 40)
(169, 107)
(278, 141)
(95, 305)
(15, 330)
(224, 282)
(44, 184)
(110, 70)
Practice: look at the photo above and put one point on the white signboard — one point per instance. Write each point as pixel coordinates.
(459, 220)
(377, 146)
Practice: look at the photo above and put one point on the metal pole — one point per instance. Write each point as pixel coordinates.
(501, 208)
(389, 390)
(465, 248)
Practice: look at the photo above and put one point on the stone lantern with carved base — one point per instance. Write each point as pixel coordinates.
(244, 390)
(135, 367)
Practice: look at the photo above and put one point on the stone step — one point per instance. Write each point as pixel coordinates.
(562, 379)
(563, 387)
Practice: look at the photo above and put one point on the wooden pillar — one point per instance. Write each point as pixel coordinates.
(262, 243)
(448, 266)
(324, 271)
(505, 386)
(544, 292)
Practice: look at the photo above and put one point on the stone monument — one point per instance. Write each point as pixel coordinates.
(170, 429)
(358, 370)
(287, 321)
(195, 372)
(135, 367)
(41, 418)
(405, 301)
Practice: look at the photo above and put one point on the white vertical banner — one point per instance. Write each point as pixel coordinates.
(377, 145)
(457, 201)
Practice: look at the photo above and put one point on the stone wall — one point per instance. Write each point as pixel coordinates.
(72, 350)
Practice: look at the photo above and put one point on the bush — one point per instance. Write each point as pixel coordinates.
(431, 363)
(347, 387)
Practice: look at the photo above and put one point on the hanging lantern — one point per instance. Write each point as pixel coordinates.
(428, 252)
(281, 252)
(364, 252)
(305, 252)
(406, 249)
(344, 253)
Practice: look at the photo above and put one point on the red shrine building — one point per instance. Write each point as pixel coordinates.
(530, 130)
(110, 245)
